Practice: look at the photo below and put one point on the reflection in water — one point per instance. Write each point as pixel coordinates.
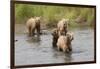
(68, 57)
(33, 39)
(39, 49)
(59, 54)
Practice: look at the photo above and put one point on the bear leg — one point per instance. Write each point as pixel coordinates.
(29, 30)
(32, 31)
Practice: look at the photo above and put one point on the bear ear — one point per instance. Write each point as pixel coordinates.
(67, 34)
(34, 16)
(40, 17)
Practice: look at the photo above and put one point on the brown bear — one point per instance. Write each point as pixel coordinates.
(62, 27)
(64, 42)
(70, 37)
(33, 24)
(54, 37)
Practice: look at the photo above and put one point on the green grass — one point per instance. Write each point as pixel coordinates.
(52, 14)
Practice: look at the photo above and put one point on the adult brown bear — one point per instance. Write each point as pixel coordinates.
(62, 27)
(33, 24)
(64, 42)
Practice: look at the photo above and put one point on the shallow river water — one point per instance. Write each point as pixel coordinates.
(39, 50)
